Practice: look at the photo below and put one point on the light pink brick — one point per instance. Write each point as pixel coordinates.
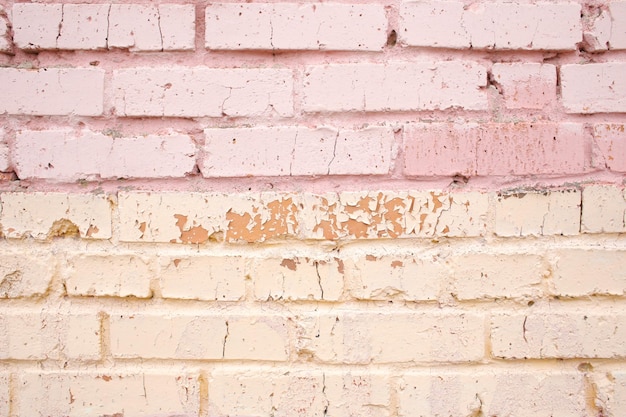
(594, 88)
(584, 272)
(492, 392)
(607, 29)
(36, 26)
(499, 25)
(5, 162)
(32, 335)
(323, 26)
(559, 333)
(526, 85)
(353, 338)
(133, 392)
(5, 34)
(609, 142)
(200, 91)
(84, 26)
(178, 26)
(59, 91)
(63, 155)
(395, 86)
(294, 151)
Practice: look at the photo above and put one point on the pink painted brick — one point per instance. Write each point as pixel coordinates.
(526, 85)
(395, 86)
(62, 155)
(608, 28)
(200, 91)
(293, 151)
(35, 25)
(323, 26)
(609, 146)
(5, 163)
(58, 91)
(499, 25)
(84, 26)
(594, 88)
(5, 34)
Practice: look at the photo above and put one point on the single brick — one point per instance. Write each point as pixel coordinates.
(559, 333)
(609, 142)
(607, 28)
(296, 392)
(178, 26)
(387, 277)
(59, 91)
(594, 88)
(580, 272)
(63, 155)
(395, 86)
(480, 276)
(323, 26)
(200, 91)
(6, 41)
(167, 336)
(297, 278)
(25, 274)
(36, 26)
(293, 151)
(133, 392)
(33, 335)
(492, 392)
(604, 209)
(46, 215)
(257, 338)
(211, 278)
(526, 85)
(612, 392)
(108, 275)
(538, 213)
(83, 26)
(500, 25)
(353, 338)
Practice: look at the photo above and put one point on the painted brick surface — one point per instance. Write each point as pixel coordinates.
(609, 147)
(603, 90)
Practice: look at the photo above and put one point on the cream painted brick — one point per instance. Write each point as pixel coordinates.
(63, 155)
(559, 333)
(295, 392)
(579, 272)
(167, 336)
(5, 35)
(5, 396)
(538, 213)
(36, 336)
(257, 338)
(491, 392)
(614, 392)
(526, 85)
(391, 337)
(395, 86)
(203, 277)
(604, 209)
(499, 25)
(88, 393)
(43, 215)
(275, 26)
(497, 275)
(201, 91)
(408, 278)
(594, 88)
(609, 147)
(109, 275)
(36, 26)
(293, 151)
(59, 91)
(25, 274)
(84, 26)
(297, 279)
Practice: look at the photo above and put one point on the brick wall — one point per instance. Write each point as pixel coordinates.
(372, 209)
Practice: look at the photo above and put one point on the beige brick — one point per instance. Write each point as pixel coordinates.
(45, 215)
(604, 209)
(391, 337)
(612, 393)
(536, 213)
(5, 397)
(589, 272)
(478, 276)
(492, 392)
(559, 333)
(131, 393)
(257, 338)
(297, 279)
(25, 274)
(408, 278)
(219, 278)
(109, 275)
(37, 335)
(167, 336)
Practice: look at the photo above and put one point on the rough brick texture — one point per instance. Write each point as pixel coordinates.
(408, 208)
